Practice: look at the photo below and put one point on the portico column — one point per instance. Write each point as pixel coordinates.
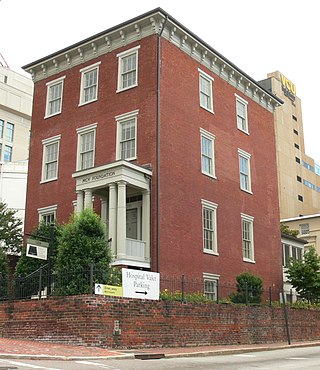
(113, 217)
(121, 225)
(79, 201)
(88, 198)
(146, 222)
(104, 212)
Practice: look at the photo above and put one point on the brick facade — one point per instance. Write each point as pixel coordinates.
(90, 320)
(169, 147)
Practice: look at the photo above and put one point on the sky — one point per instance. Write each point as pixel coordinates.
(258, 37)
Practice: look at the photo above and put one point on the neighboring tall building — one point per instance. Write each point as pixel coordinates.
(15, 115)
(169, 141)
(298, 174)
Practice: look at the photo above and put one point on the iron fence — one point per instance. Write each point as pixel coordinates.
(42, 284)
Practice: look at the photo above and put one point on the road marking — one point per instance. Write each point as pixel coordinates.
(297, 358)
(96, 364)
(23, 364)
(244, 355)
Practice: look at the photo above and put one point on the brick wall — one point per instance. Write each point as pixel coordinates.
(90, 320)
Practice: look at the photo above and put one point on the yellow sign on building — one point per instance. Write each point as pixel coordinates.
(288, 87)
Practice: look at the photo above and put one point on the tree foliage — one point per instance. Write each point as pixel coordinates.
(4, 272)
(304, 275)
(249, 289)
(10, 230)
(27, 265)
(287, 231)
(83, 243)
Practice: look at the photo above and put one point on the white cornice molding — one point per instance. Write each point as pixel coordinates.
(117, 37)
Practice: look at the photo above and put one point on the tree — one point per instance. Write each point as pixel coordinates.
(304, 275)
(83, 243)
(27, 265)
(249, 289)
(287, 231)
(4, 272)
(10, 230)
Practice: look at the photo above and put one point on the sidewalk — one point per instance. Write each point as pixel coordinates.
(29, 349)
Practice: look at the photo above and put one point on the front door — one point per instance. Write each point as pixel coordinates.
(132, 223)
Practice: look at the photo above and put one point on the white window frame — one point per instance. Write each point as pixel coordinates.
(83, 72)
(292, 247)
(122, 119)
(240, 100)
(210, 137)
(120, 57)
(211, 207)
(45, 144)
(9, 138)
(47, 212)
(246, 156)
(7, 149)
(304, 228)
(250, 220)
(210, 80)
(212, 278)
(83, 131)
(49, 85)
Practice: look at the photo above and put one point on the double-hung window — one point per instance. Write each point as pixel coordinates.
(205, 91)
(7, 153)
(207, 153)
(209, 226)
(89, 83)
(291, 251)
(128, 69)
(47, 215)
(86, 146)
(127, 135)
(242, 114)
(247, 238)
(210, 282)
(9, 132)
(50, 158)
(54, 96)
(1, 128)
(245, 173)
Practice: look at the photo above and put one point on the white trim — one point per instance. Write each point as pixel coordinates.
(208, 135)
(212, 207)
(45, 143)
(43, 211)
(300, 218)
(121, 55)
(245, 155)
(49, 85)
(120, 119)
(245, 103)
(83, 71)
(210, 79)
(208, 276)
(249, 219)
(82, 131)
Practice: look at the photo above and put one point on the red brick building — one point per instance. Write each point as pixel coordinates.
(168, 140)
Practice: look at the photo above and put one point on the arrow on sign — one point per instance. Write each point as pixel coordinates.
(145, 293)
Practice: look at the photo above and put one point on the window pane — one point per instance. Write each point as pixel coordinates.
(90, 85)
(208, 229)
(246, 240)
(55, 95)
(205, 93)
(128, 139)
(7, 153)
(129, 70)
(1, 128)
(210, 288)
(9, 131)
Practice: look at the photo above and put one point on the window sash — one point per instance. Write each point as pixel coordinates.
(129, 70)
(90, 79)
(205, 93)
(247, 240)
(51, 161)
(55, 98)
(7, 153)
(128, 139)
(48, 218)
(244, 173)
(208, 229)
(241, 116)
(1, 128)
(86, 150)
(207, 155)
(210, 289)
(9, 132)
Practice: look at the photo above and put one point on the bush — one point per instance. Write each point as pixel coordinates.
(4, 272)
(249, 289)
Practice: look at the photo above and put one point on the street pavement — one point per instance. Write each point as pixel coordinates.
(30, 349)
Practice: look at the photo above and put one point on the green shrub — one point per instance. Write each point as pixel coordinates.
(249, 289)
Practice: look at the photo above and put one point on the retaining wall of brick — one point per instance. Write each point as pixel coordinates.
(95, 320)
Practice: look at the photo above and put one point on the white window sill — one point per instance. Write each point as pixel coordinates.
(126, 88)
(244, 131)
(209, 251)
(48, 180)
(51, 115)
(247, 191)
(87, 102)
(207, 109)
(209, 175)
(249, 261)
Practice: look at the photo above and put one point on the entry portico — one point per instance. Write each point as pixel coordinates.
(124, 190)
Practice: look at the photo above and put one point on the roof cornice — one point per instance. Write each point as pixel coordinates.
(156, 21)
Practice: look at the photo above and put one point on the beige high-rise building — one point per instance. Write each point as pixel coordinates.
(298, 174)
(16, 92)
